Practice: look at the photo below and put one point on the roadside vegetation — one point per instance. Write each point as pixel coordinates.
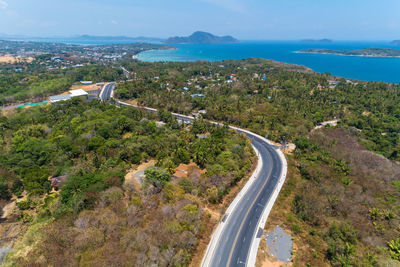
(38, 83)
(281, 100)
(341, 201)
(92, 217)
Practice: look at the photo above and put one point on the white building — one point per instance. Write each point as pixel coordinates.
(72, 93)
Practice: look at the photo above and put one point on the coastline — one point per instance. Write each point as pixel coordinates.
(339, 54)
(136, 56)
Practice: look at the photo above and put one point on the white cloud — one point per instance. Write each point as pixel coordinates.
(114, 22)
(3, 4)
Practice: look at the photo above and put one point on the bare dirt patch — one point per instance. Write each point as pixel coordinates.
(132, 102)
(12, 60)
(184, 170)
(133, 175)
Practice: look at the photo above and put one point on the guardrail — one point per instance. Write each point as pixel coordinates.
(263, 219)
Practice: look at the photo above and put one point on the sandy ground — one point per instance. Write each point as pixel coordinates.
(132, 178)
(8, 209)
(132, 102)
(289, 149)
(184, 170)
(323, 124)
(264, 259)
(87, 88)
(11, 59)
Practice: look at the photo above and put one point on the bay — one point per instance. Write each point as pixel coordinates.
(361, 68)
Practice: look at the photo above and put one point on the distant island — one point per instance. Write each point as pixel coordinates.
(201, 38)
(396, 42)
(112, 38)
(84, 37)
(317, 41)
(367, 52)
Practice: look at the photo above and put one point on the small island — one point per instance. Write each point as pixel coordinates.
(317, 41)
(396, 42)
(201, 38)
(367, 52)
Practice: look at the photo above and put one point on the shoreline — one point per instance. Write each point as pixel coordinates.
(136, 56)
(339, 54)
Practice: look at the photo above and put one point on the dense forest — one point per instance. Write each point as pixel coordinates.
(40, 83)
(341, 201)
(277, 99)
(92, 217)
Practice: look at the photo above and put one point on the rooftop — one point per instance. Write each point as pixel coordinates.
(59, 98)
(78, 92)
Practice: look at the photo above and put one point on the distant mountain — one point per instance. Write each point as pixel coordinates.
(110, 38)
(201, 38)
(396, 42)
(317, 41)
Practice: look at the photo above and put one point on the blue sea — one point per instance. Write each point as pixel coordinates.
(361, 68)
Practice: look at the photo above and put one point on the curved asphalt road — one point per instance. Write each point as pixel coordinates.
(106, 92)
(241, 227)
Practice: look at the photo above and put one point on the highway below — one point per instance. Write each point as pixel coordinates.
(242, 225)
(107, 92)
(236, 239)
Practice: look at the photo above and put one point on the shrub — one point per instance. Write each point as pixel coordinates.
(4, 192)
(24, 205)
(394, 249)
(186, 185)
(302, 142)
(157, 177)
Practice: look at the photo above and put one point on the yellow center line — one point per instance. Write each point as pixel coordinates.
(247, 213)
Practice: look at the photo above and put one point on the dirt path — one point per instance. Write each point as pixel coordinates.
(133, 177)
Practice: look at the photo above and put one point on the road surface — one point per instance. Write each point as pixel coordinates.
(236, 239)
(126, 72)
(234, 243)
(107, 91)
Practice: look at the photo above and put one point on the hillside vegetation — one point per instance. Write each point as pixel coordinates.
(39, 83)
(92, 217)
(281, 100)
(341, 199)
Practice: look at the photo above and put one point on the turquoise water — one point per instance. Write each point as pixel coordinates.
(362, 68)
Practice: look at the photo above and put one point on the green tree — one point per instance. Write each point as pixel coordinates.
(157, 176)
(4, 192)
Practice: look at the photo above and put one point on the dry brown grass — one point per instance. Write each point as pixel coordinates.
(217, 212)
(12, 60)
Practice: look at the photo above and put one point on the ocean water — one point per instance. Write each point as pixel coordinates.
(361, 68)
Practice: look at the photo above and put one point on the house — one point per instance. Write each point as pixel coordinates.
(203, 136)
(199, 113)
(72, 93)
(197, 95)
(78, 93)
(57, 98)
(55, 181)
(86, 82)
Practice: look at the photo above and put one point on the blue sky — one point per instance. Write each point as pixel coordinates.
(245, 19)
